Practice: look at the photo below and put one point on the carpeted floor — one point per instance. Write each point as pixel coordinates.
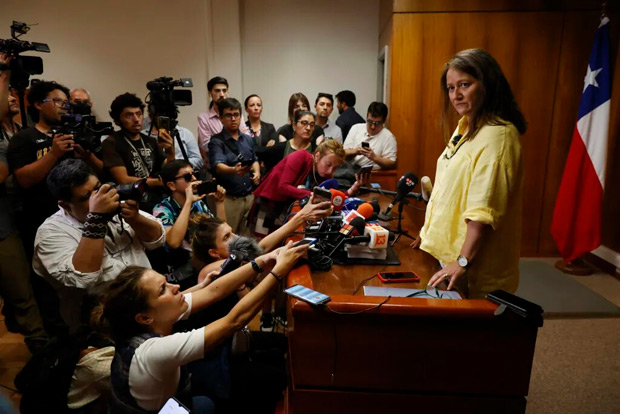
(559, 294)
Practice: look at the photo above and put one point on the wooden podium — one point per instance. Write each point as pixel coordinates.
(409, 355)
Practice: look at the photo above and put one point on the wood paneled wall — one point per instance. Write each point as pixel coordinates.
(543, 50)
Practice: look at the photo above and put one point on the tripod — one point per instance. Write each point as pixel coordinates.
(399, 227)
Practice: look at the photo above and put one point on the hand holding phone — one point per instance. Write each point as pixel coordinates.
(365, 144)
(306, 240)
(207, 187)
(321, 194)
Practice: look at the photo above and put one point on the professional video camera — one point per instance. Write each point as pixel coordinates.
(86, 131)
(165, 99)
(22, 66)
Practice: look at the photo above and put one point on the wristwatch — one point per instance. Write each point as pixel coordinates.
(463, 262)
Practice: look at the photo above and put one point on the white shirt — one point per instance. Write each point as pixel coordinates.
(57, 240)
(155, 368)
(383, 144)
(332, 131)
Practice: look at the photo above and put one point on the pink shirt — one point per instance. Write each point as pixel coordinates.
(209, 124)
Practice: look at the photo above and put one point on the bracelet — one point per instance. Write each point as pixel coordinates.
(95, 226)
(256, 266)
(278, 277)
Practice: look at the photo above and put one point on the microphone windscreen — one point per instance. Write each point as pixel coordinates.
(376, 207)
(329, 184)
(365, 210)
(406, 183)
(359, 224)
(338, 199)
(246, 248)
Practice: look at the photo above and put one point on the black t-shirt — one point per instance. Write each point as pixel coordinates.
(143, 158)
(27, 146)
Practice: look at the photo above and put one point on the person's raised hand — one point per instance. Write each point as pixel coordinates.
(104, 200)
(61, 144)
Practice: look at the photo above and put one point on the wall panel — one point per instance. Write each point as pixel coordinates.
(526, 45)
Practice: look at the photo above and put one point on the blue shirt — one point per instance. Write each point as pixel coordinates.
(225, 149)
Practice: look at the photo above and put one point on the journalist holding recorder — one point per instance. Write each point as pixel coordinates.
(473, 218)
(86, 243)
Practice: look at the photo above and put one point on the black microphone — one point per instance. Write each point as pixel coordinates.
(365, 239)
(404, 186)
(357, 224)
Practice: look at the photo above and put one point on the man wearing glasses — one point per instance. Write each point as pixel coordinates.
(232, 158)
(33, 152)
(90, 239)
(372, 144)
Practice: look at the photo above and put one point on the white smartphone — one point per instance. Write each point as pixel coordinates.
(173, 406)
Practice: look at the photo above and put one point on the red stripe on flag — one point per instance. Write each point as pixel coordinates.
(576, 225)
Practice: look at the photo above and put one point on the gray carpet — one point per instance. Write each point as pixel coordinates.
(560, 295)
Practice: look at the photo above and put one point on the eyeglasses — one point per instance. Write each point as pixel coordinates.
(188, 177)
(59, 103)
(374, 123)
(306, 124)
(229, 115)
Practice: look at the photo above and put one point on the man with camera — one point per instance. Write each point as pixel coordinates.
(34, 151)
(131, 156)
(86, 243)
(186, 199)
(236, 167)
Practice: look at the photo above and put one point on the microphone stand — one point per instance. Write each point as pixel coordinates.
(399, 227)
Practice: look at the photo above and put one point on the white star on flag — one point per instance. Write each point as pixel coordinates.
(590, 78)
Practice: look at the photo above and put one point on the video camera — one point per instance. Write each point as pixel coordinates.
(86, 131)
(22, 66)
(165, 99)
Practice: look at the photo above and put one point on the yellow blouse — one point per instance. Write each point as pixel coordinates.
(480, 180)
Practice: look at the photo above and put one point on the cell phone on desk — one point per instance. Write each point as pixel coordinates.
(398, 277)
(173, 406)
(307, 295)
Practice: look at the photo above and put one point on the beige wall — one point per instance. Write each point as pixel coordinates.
(269, 47)
(116, 46)
(309, 47)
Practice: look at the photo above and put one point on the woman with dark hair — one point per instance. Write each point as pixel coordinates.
(473, 218)
(304, 124)
(139, 310)
(296, 102)
(262, 132)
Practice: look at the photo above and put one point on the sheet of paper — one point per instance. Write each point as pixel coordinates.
(404, 292)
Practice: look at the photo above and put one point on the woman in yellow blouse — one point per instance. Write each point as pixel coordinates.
(473, 218)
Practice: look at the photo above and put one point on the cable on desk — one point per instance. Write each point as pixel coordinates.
(363, 282)
(361, 311)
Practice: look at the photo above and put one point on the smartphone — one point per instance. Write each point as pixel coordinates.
(365, 144)
(305, 240)
(375, 185)
(173, 406)
(163, 122)
(321, 194)
(366, 169)
(247, 163)
(206, 187)
(398, 277)
(307, 295)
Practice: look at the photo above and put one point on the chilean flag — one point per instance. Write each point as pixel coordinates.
(577, 221)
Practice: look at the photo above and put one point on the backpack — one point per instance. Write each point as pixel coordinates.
(45, 379)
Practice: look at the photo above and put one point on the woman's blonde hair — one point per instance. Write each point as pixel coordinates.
(331, 146)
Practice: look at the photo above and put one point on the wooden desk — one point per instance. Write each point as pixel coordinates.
(424, 355)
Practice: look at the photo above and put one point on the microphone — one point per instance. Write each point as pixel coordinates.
(365, 210)
(338, 199)
(357, 224)
(427, 188)
(241, 249)
(404, 186)
(329, 184)
(367, 239)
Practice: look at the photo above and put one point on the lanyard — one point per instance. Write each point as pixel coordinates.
(144, 164)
